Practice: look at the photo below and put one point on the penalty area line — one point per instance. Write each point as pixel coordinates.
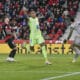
(37, 71)
(61, 76)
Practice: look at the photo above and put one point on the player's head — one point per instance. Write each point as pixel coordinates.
(72, 20)
(6, 20)
(32, 13)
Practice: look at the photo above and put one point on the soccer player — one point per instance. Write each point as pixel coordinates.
(36, 35)
(76, 43)
(10, 35)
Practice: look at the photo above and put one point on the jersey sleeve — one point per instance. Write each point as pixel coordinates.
(74, 25)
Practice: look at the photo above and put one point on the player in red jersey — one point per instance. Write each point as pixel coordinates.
(10, 35)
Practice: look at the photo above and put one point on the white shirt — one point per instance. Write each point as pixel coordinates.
(76, 26)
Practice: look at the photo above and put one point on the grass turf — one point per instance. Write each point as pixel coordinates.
(32, 67)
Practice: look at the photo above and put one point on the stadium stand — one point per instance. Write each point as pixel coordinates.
(53, 16)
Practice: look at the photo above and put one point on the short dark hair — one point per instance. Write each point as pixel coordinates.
(32, 10)
(72, 19)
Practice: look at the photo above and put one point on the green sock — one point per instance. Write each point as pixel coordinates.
(44, 52)
(27, 47)
(24, 44)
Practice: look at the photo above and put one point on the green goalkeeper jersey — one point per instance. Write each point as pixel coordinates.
(35, 33)
(34, 26)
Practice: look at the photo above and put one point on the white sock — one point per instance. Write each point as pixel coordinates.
(77, 53)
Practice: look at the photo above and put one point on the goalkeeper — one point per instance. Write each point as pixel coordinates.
(35, 35)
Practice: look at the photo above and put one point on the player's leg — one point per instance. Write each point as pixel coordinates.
(44, 52)
(26, 46)
(13, 51)
(77, 52)
(33, 42)
(29, 47)
(32, 48)
(76, 47)
(43, 49)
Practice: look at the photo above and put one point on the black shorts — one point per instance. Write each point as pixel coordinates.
(11, 43)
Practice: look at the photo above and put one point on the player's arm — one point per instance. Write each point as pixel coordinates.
(14, 34)
(3, 31)
(70, 34)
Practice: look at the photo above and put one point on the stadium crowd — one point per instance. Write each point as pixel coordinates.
(54, 17)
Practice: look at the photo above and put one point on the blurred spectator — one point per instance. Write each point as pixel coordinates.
(53, 16)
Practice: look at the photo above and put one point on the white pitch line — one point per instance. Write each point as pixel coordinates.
(28, 71)
(62, 76)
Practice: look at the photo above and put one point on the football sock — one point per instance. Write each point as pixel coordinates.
(77, 52)
(44, 52)
(12, 53)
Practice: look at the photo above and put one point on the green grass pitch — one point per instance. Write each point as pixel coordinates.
(32, 67)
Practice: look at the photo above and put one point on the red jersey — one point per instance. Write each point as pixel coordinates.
(8, 31)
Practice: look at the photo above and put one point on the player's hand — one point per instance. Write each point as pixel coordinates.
(65, 41)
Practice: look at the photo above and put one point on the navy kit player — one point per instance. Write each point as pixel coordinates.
(76, 43)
